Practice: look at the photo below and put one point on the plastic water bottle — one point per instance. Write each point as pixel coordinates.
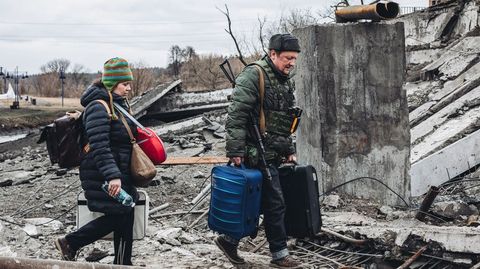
(122, 197)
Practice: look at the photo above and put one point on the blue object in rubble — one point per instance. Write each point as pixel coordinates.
(235, 201)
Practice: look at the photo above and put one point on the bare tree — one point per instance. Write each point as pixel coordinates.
(261, 25)
(176, 56)
(202, 73)
(144, 78)
(55, 66)
(189, 53)
(45, 84)
(77, 80)
(229, 31)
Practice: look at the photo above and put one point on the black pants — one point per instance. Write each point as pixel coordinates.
(122, 227)
(273, 208)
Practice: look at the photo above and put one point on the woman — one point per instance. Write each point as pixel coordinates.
(107, 159)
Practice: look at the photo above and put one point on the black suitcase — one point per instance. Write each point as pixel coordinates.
(300, 191)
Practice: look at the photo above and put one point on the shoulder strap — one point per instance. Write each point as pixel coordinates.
(261, 89)
(86, 148)
(125, 123)
(106, 107)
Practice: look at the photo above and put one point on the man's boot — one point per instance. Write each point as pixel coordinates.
(229, 249)
(286, 262)
(61, 244)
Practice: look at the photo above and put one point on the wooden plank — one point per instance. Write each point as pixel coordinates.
(195, 160)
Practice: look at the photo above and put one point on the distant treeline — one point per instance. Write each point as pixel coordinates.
(198, 72)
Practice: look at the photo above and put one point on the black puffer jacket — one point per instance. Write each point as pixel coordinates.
(109, 155)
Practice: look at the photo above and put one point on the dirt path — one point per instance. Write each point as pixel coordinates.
(30, 116)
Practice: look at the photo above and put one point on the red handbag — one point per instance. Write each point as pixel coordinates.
(151, 144)
(147, 139)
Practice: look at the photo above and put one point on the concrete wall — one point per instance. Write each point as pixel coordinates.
(355, 121)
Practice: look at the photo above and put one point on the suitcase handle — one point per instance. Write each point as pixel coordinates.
(242, 166)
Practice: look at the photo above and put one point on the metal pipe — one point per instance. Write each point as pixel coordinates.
(26, 263)
(427, 202)
(374, 12)
(343, 237)
(158, 208)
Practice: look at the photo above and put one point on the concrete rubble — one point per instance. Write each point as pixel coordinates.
(443, 85)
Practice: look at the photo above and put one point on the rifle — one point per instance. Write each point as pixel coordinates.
(229, 74)
(260, 146)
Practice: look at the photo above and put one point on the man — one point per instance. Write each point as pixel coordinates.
(241, 146)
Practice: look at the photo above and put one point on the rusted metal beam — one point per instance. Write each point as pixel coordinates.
(26, 263)
(415, 256)
(374, 12)
(427, 203)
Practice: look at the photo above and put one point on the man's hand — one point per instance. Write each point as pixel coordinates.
(236, 160)
(292, 158)
(114, 187)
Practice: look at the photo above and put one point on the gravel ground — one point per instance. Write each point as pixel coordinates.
(40, 190)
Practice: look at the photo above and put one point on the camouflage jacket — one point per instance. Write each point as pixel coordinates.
(278, 100)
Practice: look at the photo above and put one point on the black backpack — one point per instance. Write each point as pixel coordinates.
(65, 142)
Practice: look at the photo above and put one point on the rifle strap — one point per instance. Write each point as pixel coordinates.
(261, 89)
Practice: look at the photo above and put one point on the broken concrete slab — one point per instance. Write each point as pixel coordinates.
(169, 236)
(423, 56)
(425, 27)
(31, 230)
(428, 126)
(452, 238)
(457, 58)
(142, 103)
(185, 104)
(332, 200)
(445, 164)
(55, 225)
(420, 112)
(469, 77)
(446, 133)
(179, 127)
(468, 19)
(452, 209)
(5, 251)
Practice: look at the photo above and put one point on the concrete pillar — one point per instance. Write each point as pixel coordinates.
(355, 121)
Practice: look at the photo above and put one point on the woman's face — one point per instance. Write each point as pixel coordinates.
(123, 88)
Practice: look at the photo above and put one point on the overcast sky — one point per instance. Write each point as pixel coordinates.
(88, 32)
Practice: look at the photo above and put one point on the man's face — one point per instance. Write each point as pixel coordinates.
(284, 61)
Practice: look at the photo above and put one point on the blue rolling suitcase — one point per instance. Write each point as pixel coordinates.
(235, 201)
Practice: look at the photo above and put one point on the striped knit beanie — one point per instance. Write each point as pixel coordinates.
(116, 70)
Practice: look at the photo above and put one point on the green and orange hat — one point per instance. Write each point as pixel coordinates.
(116, 70)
